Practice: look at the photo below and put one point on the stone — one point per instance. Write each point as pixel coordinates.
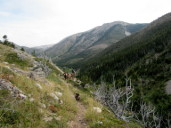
(59, 94)
(97, 109)
(42, 105)
(54, 96)
(100, 122)
(31, 99)
(60, 101)
(48, 119)
(58, 118)
(38, 85)
(22, 96)
(6, 63)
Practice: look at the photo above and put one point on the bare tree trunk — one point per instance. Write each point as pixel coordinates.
(118, 99)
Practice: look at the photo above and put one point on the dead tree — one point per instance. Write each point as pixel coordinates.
(116, 98)
(148, 117)
(100, 93)
(168, 122)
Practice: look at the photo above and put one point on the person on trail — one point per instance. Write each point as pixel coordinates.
(65, 75)
(77, 96)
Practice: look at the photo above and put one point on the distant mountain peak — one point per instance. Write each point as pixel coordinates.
(78, 47)
(44, 47)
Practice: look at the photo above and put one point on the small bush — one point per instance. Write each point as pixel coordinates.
(9, 117)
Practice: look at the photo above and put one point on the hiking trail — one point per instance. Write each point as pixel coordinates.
(79, 121)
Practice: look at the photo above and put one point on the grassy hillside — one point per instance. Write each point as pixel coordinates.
(143, 57)
(34, 94)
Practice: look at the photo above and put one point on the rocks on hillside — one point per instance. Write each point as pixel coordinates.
(97, 109)
(40, 69)
(23, 55)
(59, 94)
(38, 85)
(56, 96)
(47, 119)
(17, 70)
(50, 118)
(42, 105)
(13, 90)
(31, 99)
(6, 63)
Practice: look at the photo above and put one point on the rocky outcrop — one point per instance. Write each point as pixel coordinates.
(23, 55)
(40, 69)
(15, 92)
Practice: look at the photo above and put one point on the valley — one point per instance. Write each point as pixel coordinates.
(119, 71)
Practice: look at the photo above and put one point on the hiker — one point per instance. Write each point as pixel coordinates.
(65, 75)
(77, 96)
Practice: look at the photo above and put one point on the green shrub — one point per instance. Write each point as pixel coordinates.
(9, 117)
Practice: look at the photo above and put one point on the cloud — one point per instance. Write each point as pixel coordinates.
(4, 14)
(38, 22)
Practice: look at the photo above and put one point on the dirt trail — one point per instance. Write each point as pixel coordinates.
(79, 121)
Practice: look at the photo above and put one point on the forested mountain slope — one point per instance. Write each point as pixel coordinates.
(145, 58)
(151, 40)
(73, 50)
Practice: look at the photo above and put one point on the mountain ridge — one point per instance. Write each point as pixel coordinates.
(93, 41)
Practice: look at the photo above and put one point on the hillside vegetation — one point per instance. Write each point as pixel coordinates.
(33, 94)
(145, 58)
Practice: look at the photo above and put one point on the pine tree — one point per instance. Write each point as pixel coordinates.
(22, 49)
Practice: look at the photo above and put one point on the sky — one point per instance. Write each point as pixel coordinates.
(41, 22)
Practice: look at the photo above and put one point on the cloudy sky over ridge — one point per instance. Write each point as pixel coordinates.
(39, 22)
